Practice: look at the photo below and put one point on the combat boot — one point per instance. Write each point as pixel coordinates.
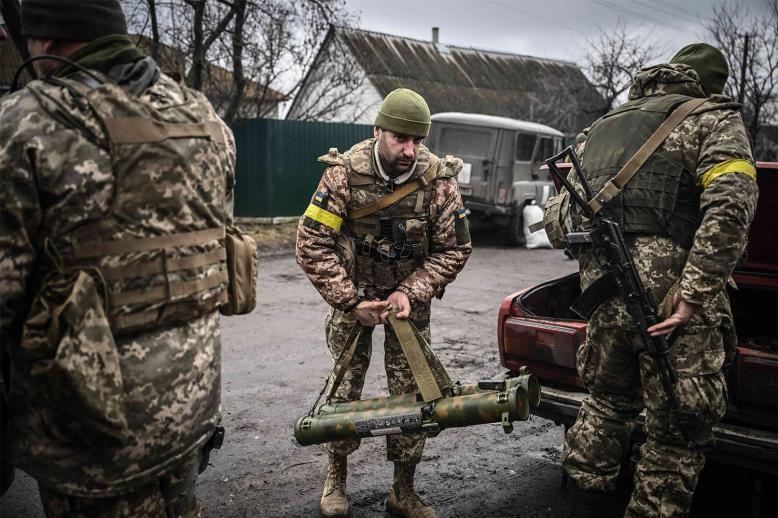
(402, 500)
(333, 499)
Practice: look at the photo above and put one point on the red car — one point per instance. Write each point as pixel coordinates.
(537, 329)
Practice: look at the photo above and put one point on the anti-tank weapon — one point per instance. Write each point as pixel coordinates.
(440, 403)
(621, 278)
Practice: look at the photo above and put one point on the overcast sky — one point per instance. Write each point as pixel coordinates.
(543, 28)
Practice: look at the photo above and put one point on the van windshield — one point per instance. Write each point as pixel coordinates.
(476, 142)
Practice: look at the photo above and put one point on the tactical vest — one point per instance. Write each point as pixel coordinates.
(391, 243)
(159, 253)
(663, 197)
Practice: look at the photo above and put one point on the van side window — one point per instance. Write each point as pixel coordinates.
(525, 145)
(467, 141)
(547, 148)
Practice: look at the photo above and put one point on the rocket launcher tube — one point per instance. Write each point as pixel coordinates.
(405, 414)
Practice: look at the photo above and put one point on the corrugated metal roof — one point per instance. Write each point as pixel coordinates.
(548, 91)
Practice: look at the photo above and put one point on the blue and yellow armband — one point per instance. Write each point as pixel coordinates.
(317, 214)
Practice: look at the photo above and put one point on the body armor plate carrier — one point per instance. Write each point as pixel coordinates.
(663, 197)
(392, 242)
(159, 253)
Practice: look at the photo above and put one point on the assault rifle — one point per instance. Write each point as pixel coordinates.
(621, 277)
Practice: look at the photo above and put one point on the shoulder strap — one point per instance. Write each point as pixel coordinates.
(614, 186)
(399, 194)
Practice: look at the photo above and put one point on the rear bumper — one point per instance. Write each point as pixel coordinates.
(748, 448)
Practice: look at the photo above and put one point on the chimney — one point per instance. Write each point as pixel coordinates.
(435, 32)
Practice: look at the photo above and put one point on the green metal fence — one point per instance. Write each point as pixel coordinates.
(276, 170)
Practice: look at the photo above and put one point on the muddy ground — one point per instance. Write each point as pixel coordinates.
(275, 362)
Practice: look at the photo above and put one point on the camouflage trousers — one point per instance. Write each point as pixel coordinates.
(399, 448)
(622, 380)
(171, 496)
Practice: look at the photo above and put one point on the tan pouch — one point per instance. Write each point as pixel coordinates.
(556, 220)
(242, 266)
(74, 363)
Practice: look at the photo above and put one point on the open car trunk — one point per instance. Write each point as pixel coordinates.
(752, 378)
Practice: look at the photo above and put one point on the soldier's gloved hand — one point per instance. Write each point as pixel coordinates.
(399, 302)
(682, 312)
(369, 312)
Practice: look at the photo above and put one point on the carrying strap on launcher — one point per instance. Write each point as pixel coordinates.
(416, 351)
(399, 194)
(614, 186)
(409, 338)
(339, 370)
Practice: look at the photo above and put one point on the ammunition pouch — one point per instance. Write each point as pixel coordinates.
(242, 265)
(383, 263)
(556, 219)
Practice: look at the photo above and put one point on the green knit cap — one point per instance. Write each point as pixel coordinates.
(709, 63)
(406, 112)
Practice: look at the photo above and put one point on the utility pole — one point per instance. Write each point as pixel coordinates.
(742, 90)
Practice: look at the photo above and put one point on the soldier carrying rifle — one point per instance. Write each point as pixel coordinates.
(682, 217)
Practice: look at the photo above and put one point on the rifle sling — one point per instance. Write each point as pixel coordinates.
(614, 186)
(399, 194)
(597, 292)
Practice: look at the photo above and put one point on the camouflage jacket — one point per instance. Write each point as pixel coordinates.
(161, 386)
(318, 248)
(716, 149)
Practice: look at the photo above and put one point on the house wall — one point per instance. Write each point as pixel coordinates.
(336, 89)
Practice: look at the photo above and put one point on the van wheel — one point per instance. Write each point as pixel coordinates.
(514, 232)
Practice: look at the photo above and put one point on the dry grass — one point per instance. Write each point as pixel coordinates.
(272, 237)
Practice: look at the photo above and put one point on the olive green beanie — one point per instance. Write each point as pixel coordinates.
(406, 112)
(709, 63)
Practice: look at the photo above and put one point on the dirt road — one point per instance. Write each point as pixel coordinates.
(275, 361)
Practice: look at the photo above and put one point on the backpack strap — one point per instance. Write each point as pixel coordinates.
(614, 186)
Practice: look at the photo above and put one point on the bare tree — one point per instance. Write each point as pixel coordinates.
(245, 55)
(335, 85)
(613, 57)
(750, 44)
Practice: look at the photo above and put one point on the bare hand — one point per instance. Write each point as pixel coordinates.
(369, 312)
(399, 302)
(682, 312)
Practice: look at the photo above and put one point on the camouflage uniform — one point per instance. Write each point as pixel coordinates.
(143, 402)
(327, 257)
(618, 373)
